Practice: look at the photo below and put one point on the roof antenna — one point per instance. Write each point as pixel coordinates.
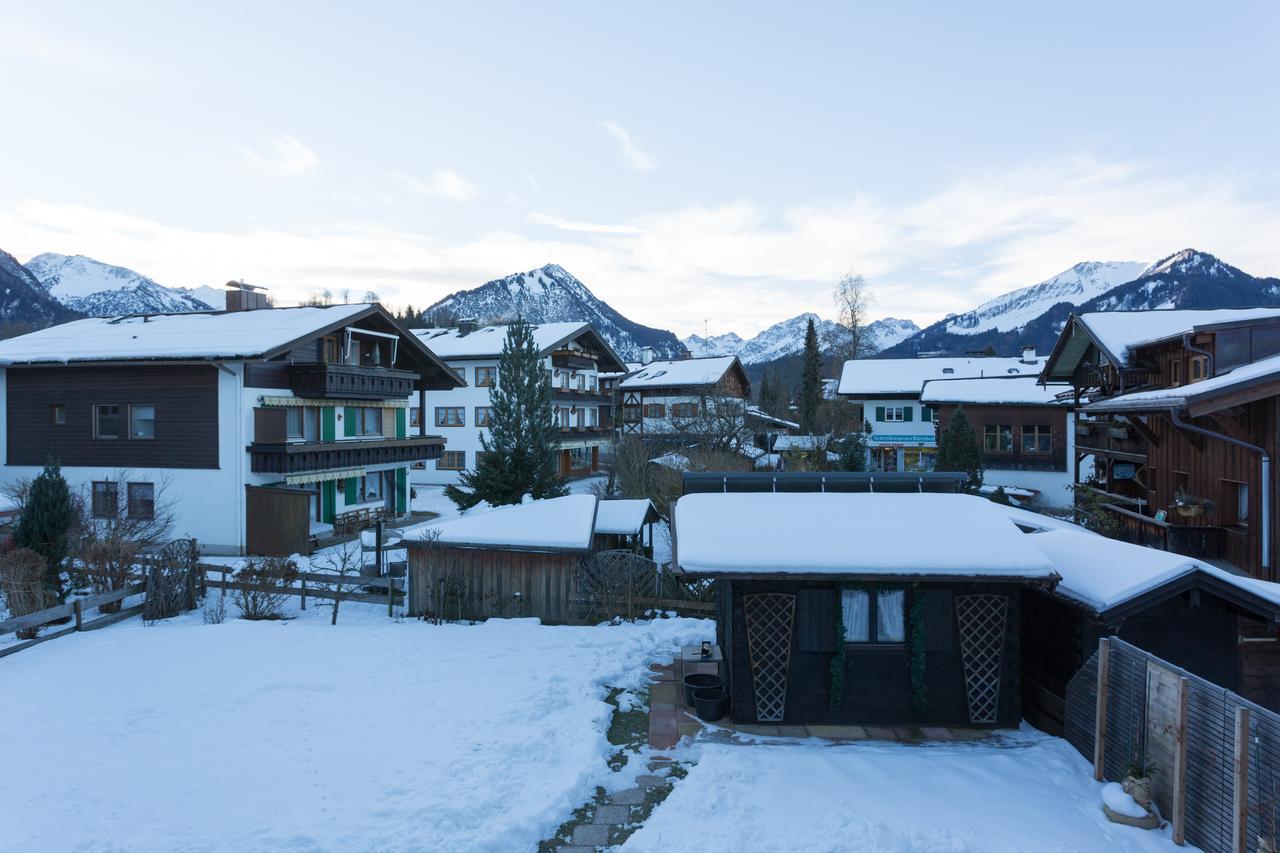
(706, 337)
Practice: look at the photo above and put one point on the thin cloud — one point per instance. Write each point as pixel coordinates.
(584, 227)
(636, 156)
(445, 183)
(284, 156)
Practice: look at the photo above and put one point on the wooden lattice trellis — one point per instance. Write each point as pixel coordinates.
(982, 620)
(769, 616)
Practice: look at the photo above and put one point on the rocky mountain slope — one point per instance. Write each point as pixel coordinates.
(550, 295)
(102, 290)
(1185, 279)
(24, 303)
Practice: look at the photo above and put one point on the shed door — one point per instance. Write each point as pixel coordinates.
(770, 617)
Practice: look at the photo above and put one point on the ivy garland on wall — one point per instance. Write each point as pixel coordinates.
(916, 638)
(837, 659)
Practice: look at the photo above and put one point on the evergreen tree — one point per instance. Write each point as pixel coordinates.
(810, 381)
(519, 455)
(47, 515)
(853, 450)
(958, 450)
(771, 397)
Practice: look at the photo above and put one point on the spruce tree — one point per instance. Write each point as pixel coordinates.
(958, 450)
(853, 450)
(43, 526)
(810, 381)
(519, 453)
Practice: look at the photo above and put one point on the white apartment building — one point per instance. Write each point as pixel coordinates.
(574, 354)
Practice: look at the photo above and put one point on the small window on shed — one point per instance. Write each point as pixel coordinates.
(58, 414)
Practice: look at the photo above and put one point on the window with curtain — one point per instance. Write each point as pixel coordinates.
(874, 616)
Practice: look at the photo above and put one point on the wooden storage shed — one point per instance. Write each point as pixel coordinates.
(625, 523)
(925, 588)
(512, 561)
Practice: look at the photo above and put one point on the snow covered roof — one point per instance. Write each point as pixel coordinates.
(1104, 573)
(882, 535)
(487, 341)
(801, 442)
(689, 371)
(207, 335)
(1118, 331)
(757, 412)
(630, 367)
(624, 517)
(1263, 370)
(871, 376)
(1004, 390)
(554, 524)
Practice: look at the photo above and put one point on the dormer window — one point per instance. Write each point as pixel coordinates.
(1198, 368)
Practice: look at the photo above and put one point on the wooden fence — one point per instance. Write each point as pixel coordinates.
(73, 611)
(326, 585)
(1215, 754)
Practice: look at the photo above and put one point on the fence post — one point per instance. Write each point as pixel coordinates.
(1240, 800)
(79, 614)
(304, 592)
(1180, 767)
(1100, 711)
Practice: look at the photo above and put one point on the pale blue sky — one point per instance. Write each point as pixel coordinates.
(690, 162)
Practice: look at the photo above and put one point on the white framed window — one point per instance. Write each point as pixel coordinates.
(894, 414)
(874, 616)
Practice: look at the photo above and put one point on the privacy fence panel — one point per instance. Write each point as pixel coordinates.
(1145, 724)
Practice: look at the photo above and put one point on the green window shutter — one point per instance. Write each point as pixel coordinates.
(328, 498)
(880, 414)
(328, 423)
(402, 490)
(907, 413)
(351, 491)
(401, 424)
(926, 414)
(348, 421)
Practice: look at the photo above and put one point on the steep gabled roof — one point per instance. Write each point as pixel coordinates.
(683, 373)
(486, 341)
(873, 376)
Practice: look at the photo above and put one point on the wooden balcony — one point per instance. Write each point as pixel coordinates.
(1111, 438)
(575, 395)
(307, 457)
(1200, 541)
(350, 382)
(573, 360)
(572, 432)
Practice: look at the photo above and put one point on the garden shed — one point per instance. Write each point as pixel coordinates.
(856, 607)
(625, 523)
(509, 561)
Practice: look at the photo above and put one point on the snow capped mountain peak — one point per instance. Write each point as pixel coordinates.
(787, 338)
(103, 290)
(1188, 261)
(1009, 312)
(551, 294)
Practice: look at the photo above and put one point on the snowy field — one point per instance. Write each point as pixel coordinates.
(371, 735)
(1033, 793)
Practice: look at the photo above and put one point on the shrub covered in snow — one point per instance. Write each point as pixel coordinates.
(265, 584)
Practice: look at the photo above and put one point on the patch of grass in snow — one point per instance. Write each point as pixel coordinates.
(629, 725)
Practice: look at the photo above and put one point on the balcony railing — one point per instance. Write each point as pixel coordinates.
(307, 457)
(1111, 438)
(580, 395)
(349, 381)
(1199, 541)
(573, 360)
(571, 432)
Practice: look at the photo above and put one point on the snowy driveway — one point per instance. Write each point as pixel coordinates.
(1036, 794)
(370, 735)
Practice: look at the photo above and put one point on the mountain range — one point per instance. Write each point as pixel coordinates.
(101, 290)
(1035, 315)
(787, 338)
(24, 303)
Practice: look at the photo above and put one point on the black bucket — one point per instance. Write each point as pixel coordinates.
(700, 681)
(710, 703)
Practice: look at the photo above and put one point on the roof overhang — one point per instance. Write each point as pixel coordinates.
(1192, 579)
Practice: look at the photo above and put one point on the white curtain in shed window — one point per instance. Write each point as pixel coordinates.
(890, 620)
(856, 607)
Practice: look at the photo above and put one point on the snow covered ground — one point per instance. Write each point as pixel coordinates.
(371, 735)
(1033, 792)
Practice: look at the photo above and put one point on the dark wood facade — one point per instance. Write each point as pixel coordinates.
(455, 583)
(277, 521)
(1017, 418)
(877, 678)
(185, 397)
(1144, 457)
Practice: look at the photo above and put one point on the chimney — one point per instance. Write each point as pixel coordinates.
(467, 325)
(646, 355)
(246, 297)
(1028, 355)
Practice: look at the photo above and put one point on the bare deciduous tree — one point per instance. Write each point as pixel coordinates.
(852, 298)
(23, 584)
(344, 563)
(112, 536)
(266, 584)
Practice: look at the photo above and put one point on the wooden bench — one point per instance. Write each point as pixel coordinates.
(353, 521)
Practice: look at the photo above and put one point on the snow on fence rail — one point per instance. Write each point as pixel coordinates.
(322, 585)
(1215, 755)
(71, 610)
